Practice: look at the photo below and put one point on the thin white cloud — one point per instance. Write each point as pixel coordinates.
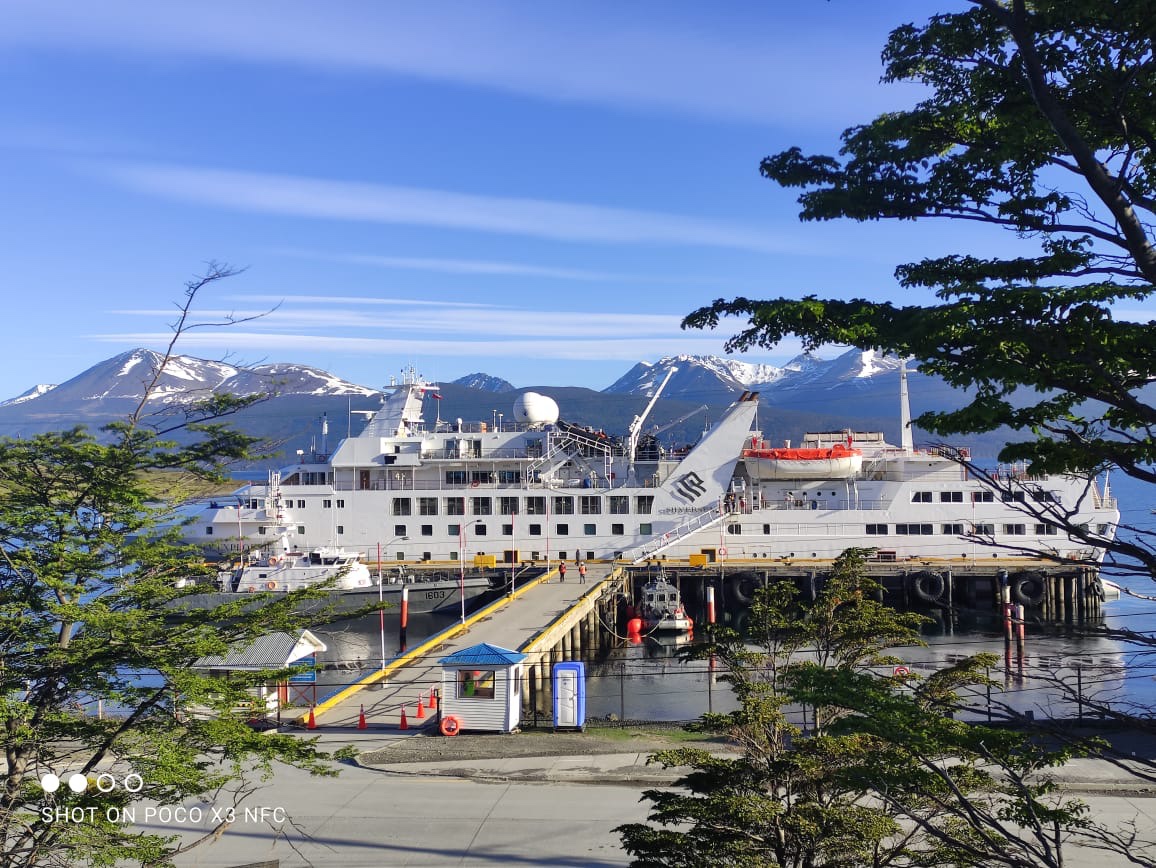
(467, 266)
(433, 320)
(316, 198)
(544, 347)
(809, 62)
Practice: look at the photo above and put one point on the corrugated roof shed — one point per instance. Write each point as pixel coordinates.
(271, 651)
(483, 655)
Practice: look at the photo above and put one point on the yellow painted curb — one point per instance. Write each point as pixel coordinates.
(411, 655)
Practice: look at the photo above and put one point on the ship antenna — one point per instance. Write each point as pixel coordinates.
(904, 410)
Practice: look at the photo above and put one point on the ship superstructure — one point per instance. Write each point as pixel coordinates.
(539, 489)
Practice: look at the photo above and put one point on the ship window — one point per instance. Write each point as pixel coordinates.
(1015, 529)
(872, 529)
(510, 477)
(327, 504)
(483, 506)
(477, 477)
(340, 504)
(1046, 530)
(644, 504)
(954, 529)
(921, 497)
(589, 529)
(590, 504)
(453, 556)
(455, 477)
(399, 530)
(427, 505)
(301, 529)
(402, 506)
(261, 530)
(1045, 496)
(767, 530)
(427, 530)
(455, 506)
(735, 529)
(983, 529)
(1012, 496)
(914, 529)
(563, 530)
(507, 530)
(341, 528)
(535, 530)
(618, 529)
(535, 506)
(454, 529)
(508, 505)
(982, 497)
(619, 504)
(479, 530)
(645, 529)
(563, 505)
(951, 497)
(209, 530)
(1101, 529)
(301, 504)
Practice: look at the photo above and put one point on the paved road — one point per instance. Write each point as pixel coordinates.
(518, 811)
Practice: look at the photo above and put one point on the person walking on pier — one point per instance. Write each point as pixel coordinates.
(562, 571)
(582, 572)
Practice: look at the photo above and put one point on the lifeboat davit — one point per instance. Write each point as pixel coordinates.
(783, 462)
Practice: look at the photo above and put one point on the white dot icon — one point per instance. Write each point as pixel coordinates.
(77, 782)
(50, 783)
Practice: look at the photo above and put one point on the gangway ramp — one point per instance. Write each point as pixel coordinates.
(538, 614)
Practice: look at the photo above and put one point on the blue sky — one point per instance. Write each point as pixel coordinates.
(537, 191)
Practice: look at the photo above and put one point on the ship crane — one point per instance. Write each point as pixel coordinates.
(636, 425)
(680, 419)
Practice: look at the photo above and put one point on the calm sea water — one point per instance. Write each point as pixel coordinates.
(649, 681)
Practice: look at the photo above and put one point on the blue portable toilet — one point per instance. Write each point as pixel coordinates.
(569, 683)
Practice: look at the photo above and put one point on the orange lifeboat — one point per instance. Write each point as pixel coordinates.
(783, 462)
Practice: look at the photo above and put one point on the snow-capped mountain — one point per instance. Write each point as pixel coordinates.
(484, 383)
(34, 392)
(129, 375)
(699, 375)
(694, 375)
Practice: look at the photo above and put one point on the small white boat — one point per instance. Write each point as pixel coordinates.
(662, 609)
(291, 571)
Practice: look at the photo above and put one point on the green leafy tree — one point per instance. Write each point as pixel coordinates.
(845, 764)
(89, 572)
(1040, 120)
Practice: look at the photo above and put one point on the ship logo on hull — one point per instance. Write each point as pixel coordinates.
(690, 487)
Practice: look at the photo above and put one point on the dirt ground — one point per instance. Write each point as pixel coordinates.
(533, 743)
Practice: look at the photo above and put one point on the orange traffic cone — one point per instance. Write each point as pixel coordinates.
(420, 711)
(361, 724)
(311, 723)
(404, 723)
(433, 700)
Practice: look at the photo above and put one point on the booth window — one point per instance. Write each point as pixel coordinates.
(477, 684)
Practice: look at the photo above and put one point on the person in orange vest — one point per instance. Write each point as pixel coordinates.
(582, 572)
(562, 571)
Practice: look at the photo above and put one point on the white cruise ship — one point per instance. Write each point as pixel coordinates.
(540, 490)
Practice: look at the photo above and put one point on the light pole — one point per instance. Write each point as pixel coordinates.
(462, 563)
(381, 595)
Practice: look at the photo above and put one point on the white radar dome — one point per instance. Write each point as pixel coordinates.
(531, 408)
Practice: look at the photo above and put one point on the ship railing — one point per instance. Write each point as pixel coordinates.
(659, 543)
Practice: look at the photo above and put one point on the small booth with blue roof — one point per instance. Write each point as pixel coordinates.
(481, 689)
